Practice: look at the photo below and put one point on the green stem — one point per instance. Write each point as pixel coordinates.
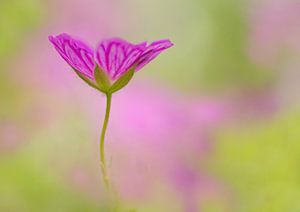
(102, 138)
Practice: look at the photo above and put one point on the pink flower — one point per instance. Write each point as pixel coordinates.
(114, 56)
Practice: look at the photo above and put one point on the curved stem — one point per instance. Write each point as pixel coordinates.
(102, 138)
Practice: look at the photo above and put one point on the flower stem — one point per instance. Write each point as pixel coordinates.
(102, 138)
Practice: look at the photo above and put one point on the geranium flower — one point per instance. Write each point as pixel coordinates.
(113, 59)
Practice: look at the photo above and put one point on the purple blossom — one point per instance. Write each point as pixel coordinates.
(114, 56)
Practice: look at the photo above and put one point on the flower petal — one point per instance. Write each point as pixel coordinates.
(116, 56)
(76, 53)
(152, 51)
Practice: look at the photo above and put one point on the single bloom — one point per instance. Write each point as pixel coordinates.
(114, 56)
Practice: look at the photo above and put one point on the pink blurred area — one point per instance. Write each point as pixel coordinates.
(275, 30)
(274, 43)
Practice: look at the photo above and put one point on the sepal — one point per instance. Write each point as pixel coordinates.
(87, 80)
(102, 82)
(122, 81)
(102, 79)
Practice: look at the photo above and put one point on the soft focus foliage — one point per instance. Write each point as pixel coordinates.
(16, 17)
(261, 163)
(213, 125)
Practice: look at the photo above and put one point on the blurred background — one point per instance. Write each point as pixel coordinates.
(213, 124)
